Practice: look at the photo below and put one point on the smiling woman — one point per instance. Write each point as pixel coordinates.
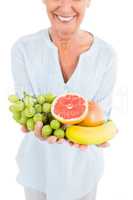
(66, 15)
(59, 59)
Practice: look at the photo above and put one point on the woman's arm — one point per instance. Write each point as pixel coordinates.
(22, 83)
(18, 68)
(105, 91)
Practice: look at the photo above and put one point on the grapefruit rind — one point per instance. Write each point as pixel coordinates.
(72, 120)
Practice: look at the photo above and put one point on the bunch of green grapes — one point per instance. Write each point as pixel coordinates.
(29, 110)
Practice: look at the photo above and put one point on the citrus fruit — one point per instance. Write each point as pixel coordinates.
(95, 115)
(69, 108)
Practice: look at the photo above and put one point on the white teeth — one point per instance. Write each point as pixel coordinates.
(65, 18)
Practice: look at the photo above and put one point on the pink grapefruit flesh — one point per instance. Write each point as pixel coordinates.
(70, 108)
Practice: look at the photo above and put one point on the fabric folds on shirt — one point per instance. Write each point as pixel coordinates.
(61, 171)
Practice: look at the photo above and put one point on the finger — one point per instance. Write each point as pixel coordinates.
(76, 145)
(71, 143)
(105, 144)
(52, 139)
(61, 140)
(83, 147)
(38, 130)
(24, 129)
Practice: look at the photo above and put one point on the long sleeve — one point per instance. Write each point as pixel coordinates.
(18, 69)
(105, 90)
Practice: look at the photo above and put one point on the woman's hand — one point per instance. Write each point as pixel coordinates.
(24, 129)
(53, 139)
(83, 147)
(38, 134)
(105, 144)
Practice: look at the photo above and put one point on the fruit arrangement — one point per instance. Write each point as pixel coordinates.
(68, 116)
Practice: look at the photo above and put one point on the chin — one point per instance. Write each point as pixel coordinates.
(65, 28)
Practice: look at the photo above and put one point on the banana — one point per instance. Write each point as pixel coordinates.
(91, 135)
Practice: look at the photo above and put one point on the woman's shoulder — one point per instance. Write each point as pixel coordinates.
(107, 54)
(106, 48)
(31, 39)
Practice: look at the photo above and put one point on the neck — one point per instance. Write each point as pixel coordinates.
(63, 40)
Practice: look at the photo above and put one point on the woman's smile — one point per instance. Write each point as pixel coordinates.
(65, 19)
(66, 15)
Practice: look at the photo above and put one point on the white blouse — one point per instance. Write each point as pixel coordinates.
(61, 171)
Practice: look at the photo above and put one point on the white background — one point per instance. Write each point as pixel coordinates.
(110, 20)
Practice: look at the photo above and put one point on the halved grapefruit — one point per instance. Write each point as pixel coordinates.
(69, 108)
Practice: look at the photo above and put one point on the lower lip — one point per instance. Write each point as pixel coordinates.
(65, 22)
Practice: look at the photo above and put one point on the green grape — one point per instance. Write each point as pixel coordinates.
(50, 116)
(12, 108)
(49, 97)
(38, 108)
(35, 100)
(55, 124)
(30, 124)
(38, 117)
(29, 111)
(17, 116)
(41, 99)
(29, 101)
(59, 133)
(19, 106)
(17, 120)
(13, 98)
(23, 120)
(23, 113)
(46, 107)
(46, 130)
(45, 118)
